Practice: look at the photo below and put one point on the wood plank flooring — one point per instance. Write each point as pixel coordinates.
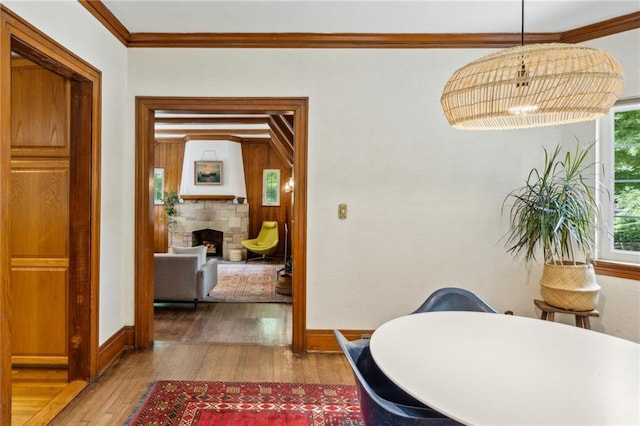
(32, 389)
(251, 323)
(239, 352)
(113, 398)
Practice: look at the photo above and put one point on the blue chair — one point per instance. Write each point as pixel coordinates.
(454, 299)
(382, 402)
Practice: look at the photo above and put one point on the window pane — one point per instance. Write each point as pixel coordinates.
(626, 223)
(158, 185)
(271, 187)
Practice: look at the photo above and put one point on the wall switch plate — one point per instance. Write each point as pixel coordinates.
(342, 211)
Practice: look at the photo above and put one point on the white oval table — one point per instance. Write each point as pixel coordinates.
(494, 369)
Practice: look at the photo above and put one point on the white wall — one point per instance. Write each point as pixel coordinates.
(625, 48)
(424, 200)
(230, 153)
(71, 25)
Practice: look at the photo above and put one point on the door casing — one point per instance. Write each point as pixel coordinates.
(19, 36)
(145, 110)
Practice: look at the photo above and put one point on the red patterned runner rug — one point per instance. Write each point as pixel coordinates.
(247, 404)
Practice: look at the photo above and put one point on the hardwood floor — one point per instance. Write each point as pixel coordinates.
(112, 399)
(241, 342)
(38, 394)
(251, 323)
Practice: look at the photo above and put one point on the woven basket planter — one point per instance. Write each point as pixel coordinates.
(571, 287)
(283, 285)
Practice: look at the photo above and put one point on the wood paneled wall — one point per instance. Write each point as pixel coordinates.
(257, 156)
(168, 156)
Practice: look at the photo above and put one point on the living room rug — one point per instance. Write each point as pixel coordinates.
(247, 282)
(197, 403)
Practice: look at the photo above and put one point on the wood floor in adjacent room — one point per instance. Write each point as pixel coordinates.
(194, 354)
(250, 323)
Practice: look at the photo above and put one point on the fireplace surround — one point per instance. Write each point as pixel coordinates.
(211, 239)
(219, 216)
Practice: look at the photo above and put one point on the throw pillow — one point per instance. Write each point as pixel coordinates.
(201, 251)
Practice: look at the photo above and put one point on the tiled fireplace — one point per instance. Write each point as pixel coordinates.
(218, 215)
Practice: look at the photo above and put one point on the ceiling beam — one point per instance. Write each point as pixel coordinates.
(200, 132)
(213, 138)
(285, 126)
(211, 120)
(281, 142)
(282, 133)
(282, 149)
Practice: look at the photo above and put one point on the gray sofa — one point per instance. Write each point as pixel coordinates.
(182, 277)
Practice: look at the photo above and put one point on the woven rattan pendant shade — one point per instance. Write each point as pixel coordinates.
(532, 86)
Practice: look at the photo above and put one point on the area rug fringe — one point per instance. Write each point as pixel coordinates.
(199, 403)
(143, 401)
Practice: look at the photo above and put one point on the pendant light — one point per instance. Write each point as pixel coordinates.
(532, 86)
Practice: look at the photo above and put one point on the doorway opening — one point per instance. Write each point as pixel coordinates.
(146, 107)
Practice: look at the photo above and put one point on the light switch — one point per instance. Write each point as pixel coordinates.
(342, 211)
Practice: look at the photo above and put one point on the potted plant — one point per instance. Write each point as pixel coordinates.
(169, 201)
(556, 211)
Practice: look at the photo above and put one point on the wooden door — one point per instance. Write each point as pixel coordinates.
(40, 212)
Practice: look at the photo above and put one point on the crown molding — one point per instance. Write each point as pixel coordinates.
(602, 29)
(107, 19)
(352, 40)
(336, 40)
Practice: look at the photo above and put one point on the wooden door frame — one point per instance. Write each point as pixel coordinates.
(85, 130)
(145, 109)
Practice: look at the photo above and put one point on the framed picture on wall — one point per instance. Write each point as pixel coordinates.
(208, 172)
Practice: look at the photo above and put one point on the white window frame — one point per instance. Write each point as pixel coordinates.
(604, 239)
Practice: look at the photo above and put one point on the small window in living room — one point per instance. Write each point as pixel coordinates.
(158, 185)
(271, 187)
(619, 141)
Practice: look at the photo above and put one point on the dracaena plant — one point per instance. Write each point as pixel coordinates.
(555, 210)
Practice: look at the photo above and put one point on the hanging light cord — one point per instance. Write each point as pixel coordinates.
(522, 24)
(522, 72)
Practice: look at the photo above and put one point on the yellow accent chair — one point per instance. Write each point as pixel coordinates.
(266, 242)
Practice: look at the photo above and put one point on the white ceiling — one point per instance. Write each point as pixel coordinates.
(363, 16)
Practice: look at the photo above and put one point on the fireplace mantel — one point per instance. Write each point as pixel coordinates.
(197, 197)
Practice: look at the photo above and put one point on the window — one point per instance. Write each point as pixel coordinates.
(619, 150)
(158, 186)
(271, 187)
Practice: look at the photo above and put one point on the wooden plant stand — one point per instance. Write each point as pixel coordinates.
(582, 317)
